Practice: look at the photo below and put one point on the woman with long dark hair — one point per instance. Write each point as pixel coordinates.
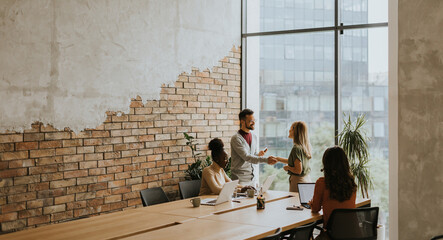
(337, 189)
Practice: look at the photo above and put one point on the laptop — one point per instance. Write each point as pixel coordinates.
(224, 196)
(306, 193)
(267, 183)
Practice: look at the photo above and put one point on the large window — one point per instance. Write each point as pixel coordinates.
(314, 61)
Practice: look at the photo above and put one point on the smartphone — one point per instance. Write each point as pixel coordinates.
(265, 150)
(294, 208)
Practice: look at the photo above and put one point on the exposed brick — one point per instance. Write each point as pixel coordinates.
(8, 217)
(9, 138)
(62, 216)
(118, 183)
(42, 153)
(13, 207)
(26, 180)
(63, 183)
(88, 164)
(76, 189)
(6, 147)
(97, 171)
(13, 173)
(39, 220)
(30, 213)
(22, 197)
(22, 163)
(57, 135)
(38, 186)
(6, 156)
(50, 193)
(38, 203)
(26, 145)
(86, 180)
(66, 151)
(74, 174)
(13, 225)
(49, 160)
(64, 199)
(113, 198)
(43, 169)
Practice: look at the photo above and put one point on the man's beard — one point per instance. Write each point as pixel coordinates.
(250, 127)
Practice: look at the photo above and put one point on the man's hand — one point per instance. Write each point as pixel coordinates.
(272, 160)
(261, 153)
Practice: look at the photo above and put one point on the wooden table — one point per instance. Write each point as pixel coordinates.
(206, 229)
(179, 220)
(274, 215)
(184, 207)
(134, 221)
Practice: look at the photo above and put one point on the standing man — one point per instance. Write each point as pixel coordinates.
(244, 150)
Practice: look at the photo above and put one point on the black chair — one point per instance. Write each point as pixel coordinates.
(275, 236)
(189, 189)
(356, 224)
(153, 196)
(299, 233)
(437, 237)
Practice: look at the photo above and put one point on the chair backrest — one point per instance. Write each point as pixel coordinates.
(357, 224)
(153, 196)
(437, 237)
(275, 236)
(300, 233)
(189, 189)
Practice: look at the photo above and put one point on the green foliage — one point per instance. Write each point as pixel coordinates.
(195, 169)
(228, 168)
(354, 141)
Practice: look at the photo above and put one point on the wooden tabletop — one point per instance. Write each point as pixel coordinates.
(100, 227)
(178, 219)
(206, 229)
(274, 215)
(185, 208)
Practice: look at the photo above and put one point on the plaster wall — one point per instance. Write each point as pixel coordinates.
(420, 119)
(66, 63)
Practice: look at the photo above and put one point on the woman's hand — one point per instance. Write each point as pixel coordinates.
(286, 168)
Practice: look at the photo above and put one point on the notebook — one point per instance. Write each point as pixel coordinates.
(224, 196)
(306, 193)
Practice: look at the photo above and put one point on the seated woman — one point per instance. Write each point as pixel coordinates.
(337, 188)
(213, 176)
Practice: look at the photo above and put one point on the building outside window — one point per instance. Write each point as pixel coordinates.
(305, 60)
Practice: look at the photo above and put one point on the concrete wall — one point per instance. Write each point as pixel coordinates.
(420, 119)
(66, 63)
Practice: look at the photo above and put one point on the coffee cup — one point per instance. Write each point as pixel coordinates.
(195, 202)
(250, 193)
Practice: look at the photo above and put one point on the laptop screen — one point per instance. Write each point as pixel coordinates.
(306, 192)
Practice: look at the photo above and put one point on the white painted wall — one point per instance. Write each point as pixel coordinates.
(66, 63)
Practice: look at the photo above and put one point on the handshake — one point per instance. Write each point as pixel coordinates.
(271, 159)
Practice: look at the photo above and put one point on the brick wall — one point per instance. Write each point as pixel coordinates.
(49, 175)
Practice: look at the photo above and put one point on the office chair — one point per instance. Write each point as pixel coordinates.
(189, 189)
(153, 196)
(275, 236)
(437, 237)
(299, 233)
(356, 224)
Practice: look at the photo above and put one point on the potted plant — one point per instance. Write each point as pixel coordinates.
(195, 169)
(354, 142)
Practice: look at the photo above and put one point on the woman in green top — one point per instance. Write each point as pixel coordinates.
(298, 161)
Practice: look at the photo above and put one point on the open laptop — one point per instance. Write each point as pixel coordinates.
(267, 183)
(306, 193)
(224, 196)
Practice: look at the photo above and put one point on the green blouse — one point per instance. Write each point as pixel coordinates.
(297, 153)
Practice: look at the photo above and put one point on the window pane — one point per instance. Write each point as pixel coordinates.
(295, 75)
(363, 11)
(364, 90)
(276, 15)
